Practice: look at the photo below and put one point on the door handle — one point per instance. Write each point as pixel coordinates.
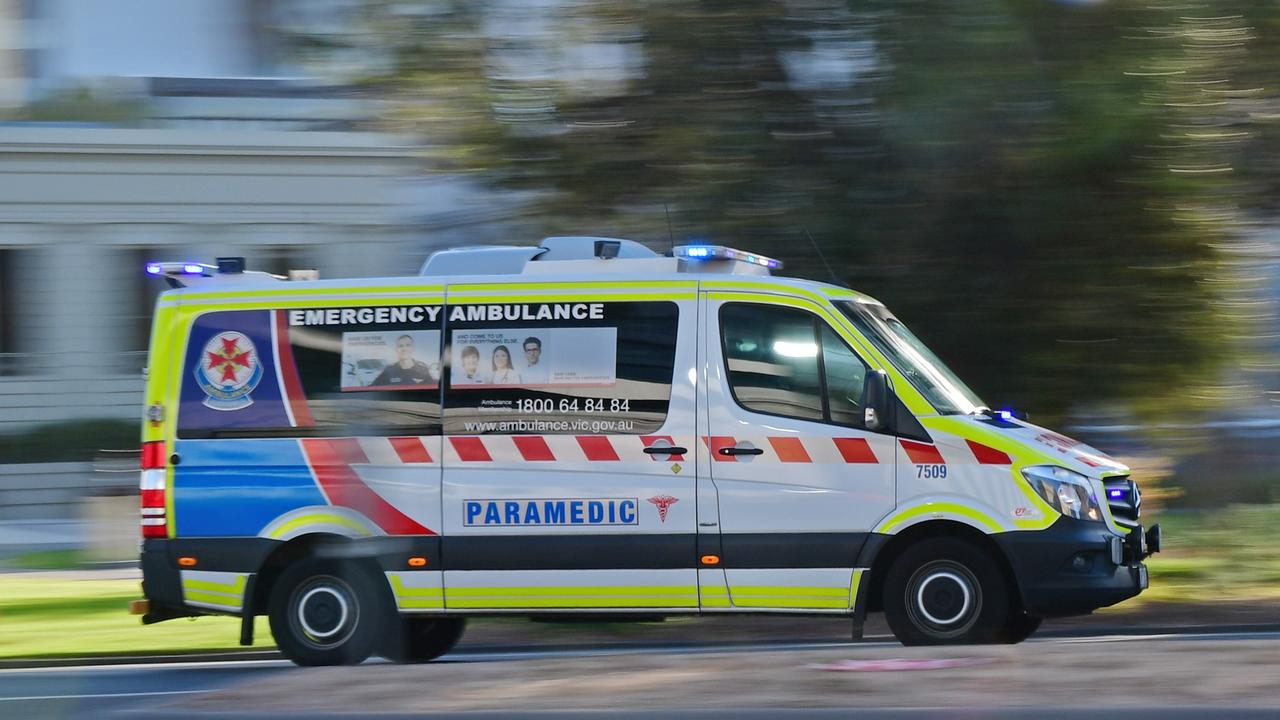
(740, 451)
(666, 450)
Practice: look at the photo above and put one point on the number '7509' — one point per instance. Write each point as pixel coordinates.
(931, 471)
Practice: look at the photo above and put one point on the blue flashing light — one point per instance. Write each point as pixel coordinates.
(720, 252)
(154, 268)
(1005, 415)
(192, 269)
(1115, 493)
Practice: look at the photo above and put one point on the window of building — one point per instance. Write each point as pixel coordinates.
(788, 362)
(560, 368)
(8, 314)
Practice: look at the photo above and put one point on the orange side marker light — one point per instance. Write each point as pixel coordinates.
(417, 562)
(710, 559)
(187, 561)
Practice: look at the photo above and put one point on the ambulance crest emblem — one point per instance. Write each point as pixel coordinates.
(228, 371)
(664, 503)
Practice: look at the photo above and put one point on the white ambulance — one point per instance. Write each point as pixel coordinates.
(587, 427)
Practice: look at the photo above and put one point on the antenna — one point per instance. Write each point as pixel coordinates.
(835, 279)
(671, 235)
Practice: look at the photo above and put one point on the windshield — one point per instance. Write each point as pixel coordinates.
(912, 358)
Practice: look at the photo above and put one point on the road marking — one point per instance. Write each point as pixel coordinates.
(102, 695)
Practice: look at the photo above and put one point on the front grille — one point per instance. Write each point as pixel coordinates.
(1124, 500)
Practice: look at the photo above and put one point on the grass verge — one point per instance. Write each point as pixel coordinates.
(1216, 555)
(48, 616)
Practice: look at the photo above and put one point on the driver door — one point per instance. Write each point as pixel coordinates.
(800, 481)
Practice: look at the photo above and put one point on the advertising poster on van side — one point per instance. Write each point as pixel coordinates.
(390, 360)
(545, 357)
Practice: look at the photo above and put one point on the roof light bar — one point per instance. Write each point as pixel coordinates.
(720, 252)
(179, 268)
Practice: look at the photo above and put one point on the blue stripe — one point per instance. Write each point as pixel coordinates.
(231, 487)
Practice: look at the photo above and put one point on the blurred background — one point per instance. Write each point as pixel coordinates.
(1073, 201)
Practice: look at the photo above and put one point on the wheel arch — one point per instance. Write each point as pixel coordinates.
(894, 545)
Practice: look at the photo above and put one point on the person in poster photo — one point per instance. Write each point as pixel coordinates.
(469, 374)
(407, 370)
(535, 370)
(503, 373)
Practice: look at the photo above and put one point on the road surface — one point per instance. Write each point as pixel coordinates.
(1167, 676)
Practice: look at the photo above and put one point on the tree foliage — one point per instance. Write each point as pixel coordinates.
(1043, 190)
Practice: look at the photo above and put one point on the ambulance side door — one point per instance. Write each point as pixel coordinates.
(800, 481)
(559, 491)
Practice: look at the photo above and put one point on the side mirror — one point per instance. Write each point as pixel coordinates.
(876, 401)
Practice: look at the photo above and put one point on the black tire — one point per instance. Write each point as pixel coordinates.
(1019, 627)
(420, 639)
(325, 612)
(946, 591)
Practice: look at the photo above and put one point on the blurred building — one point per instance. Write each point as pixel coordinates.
(145, 129)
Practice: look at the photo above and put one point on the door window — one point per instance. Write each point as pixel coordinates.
(783, 361)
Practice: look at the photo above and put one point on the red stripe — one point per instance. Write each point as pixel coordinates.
(597, 448)
(988, 455)
(533, 448)
(410, 449)
(649, 440)
(715, 442)
(331, 462)
(855, 450)
(293, 393)
(470, 449)
(922, 454)
(790, 449)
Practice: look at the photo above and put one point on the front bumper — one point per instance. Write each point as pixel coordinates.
(1071, 568)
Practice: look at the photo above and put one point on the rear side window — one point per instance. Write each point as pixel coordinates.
(788, 362)
(313, 372)
(559, 368)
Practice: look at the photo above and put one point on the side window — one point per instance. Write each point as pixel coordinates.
(772, 360)
(559, 368)
(312, 372)
(845, 374)
(788, 362)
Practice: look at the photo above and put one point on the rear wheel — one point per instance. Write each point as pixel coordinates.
(325, 613)
(946, 591)
(419, 640)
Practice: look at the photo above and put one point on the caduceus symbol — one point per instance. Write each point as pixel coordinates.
(664, 503)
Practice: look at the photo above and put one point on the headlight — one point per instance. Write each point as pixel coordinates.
(1069, 492)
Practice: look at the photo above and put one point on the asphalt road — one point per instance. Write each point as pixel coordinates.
(207, 690)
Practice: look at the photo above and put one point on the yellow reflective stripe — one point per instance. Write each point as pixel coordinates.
(890, 525)
(361, 300)
(587, 597)
(853, 587)
(576, 602)
(402, 590)
(570, 591)
(770, 602)
(789, 591)
(567, 297)
(235, 588)
(212, 599)
(320, 519)
(574, 286)
(420, 603)
(270, 292)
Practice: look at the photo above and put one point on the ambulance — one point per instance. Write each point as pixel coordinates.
(586, 428)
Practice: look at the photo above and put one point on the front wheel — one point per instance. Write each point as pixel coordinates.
(324, 612)
(946, 591)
